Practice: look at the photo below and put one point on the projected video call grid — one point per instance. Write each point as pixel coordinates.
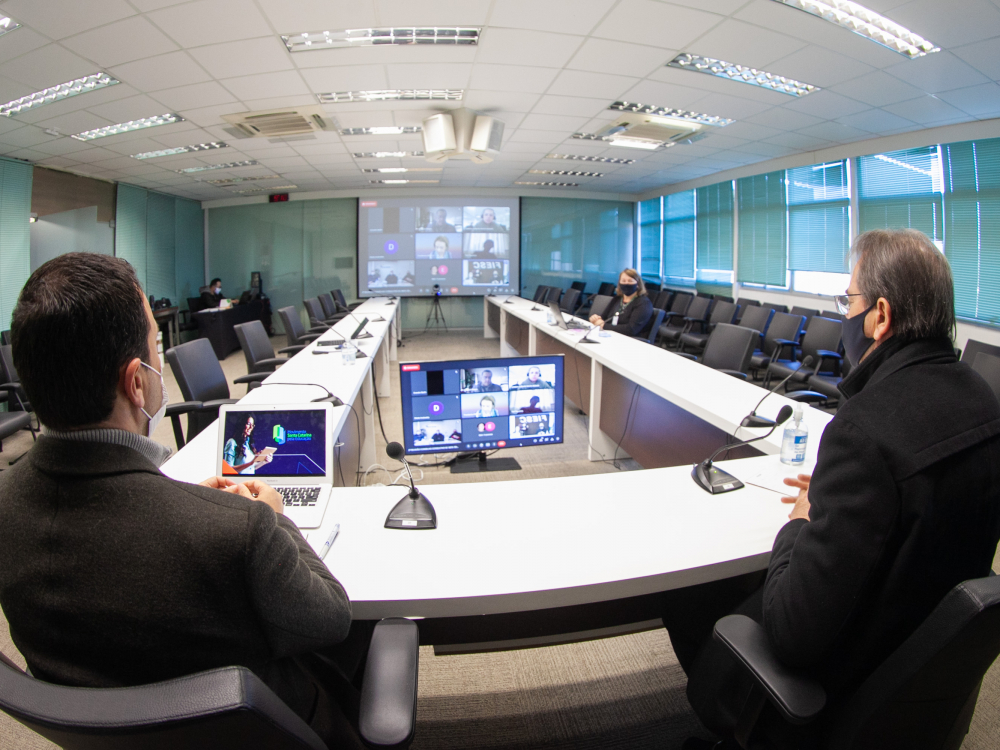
(475, 405)
(423, 250)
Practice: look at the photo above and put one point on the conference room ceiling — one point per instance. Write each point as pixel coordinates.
(546, 68)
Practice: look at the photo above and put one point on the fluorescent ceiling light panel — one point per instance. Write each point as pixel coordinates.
(741, 74)
(385, 154)
(549, 184)
(641, 143)
(312, 40)
(250, 191)
(403, 169)
(78, 86)
(677, 114)
(390, 130)
(180, 150)
(867, 23)
(565, 173)
(237, 180)
(126, 127)
(452, 95)
(399, 182)
(8, 24)
(601, 159)
(227, 165)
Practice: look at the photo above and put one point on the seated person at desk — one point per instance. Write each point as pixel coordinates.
(532, 407)
(903, 504)
(630, 310)
(534, 379)
(153, 578)
(212, 297)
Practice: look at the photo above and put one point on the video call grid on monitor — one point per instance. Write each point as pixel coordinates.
(296, 440)
(421, 247)
(482, 404)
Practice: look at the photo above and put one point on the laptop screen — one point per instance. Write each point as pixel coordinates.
(277, 443)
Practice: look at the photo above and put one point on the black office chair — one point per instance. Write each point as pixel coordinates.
(678, 310)
(295, 333)
(921, 697)
(728, 350)
(663, 299)
(973, 347)
(220, 709)
(317, 316)
(203, 385)
(777, 308)
(782, 338)
(554, 294)
(330, 307)
(18, 414)
(822, 342)
(988, 365)
(745, 303)
(342, 304)
(697, 312)
(806, 312)
(569, 300)
(650, 331)
(580, 286)
(257, 349)
(652, 286)
(540, 293)
(5, 338)
(695, 340)
(601, 304)
(606, 289)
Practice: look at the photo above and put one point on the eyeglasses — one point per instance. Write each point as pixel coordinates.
(844, 302)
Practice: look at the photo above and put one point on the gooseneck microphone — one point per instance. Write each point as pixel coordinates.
(716, 481)
(414, 511)
(752, 420)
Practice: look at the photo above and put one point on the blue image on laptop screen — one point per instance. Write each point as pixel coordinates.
(298, 440)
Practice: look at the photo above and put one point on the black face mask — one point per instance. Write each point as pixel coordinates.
(628, 290)
(855, 341)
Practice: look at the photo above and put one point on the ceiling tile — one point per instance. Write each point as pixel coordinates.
(348, 78)
(47, 66)
(29, 136)
(664, 95)
(511, 78)
(819, 67)
(283, 83)
(527, 47)
(317, 15)
(243, 58)
(511, 101)
(120, 42)
(133, 108)
(980, 101)
(162, 72)
(70, 18)
(826, 105)
(784, 119)
(385, 55)
(877, 89)
(211, 22)
(606, 56)
(570, 106)
(279, 102)
(750, 131)
(735, 108)
(928, 110)
(193, 96)
(982, 56)
(559, 123)
(74, 103)
(209, 116)
(75, 122)
(836, 132)
(741, 43)
(15, 45)
(578, 83)
(656, 24)
(425, 75)
(952, 23)
(941, 71)
(436, 13)
(876, 121)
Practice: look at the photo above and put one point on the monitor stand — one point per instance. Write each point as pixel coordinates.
(483, 464)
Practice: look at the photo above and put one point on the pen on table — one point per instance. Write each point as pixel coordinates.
(329, 542)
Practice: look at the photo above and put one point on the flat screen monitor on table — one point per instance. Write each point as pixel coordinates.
(453, 247)
(482, 404)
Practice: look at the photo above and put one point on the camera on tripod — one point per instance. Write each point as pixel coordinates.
(437, 290)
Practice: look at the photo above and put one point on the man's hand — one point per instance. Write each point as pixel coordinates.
(264, 493)
(801, 509)
(217, 483)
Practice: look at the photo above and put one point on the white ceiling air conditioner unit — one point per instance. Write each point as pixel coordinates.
(461, 134)
(294, 122)
(651, 129)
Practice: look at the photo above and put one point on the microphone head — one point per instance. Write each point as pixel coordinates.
(395, 450)
(807, 361)
(783, 415)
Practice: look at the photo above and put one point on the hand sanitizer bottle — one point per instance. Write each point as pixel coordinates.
(794, 439)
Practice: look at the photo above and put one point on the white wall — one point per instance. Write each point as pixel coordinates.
(75, 231)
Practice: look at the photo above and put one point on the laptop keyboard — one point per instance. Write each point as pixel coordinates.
(299, 496)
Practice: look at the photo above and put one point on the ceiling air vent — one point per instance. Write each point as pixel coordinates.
(278, 123)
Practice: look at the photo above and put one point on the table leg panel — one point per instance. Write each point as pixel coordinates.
(576, 369)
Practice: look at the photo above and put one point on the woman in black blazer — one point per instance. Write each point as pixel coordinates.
(630, 310)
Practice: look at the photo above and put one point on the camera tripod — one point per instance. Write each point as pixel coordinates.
(435, 316)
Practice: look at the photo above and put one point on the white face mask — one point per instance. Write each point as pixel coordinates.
(154, 420)
(219, 290)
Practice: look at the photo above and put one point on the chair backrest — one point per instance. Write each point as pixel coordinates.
(663, 299)
(698, 308)
(806, 312)
(923, 695)
(315, 310)
(195, 304)
(221, 709)
(5, 338)
(294, 330)
(651, 286)
(580, 286)
(338, 295)
(783, 326)
(606, 289)
(758, 318)
(569, 299)
(541, 293)
(7, 370)
(973, 347)
(197, 371)
(988, 365)
(681, 302)
(723, 312)
(823, 333)
(652, 328)
(745, 303)
(329, 306)
(722, 298)
(600, 304)
(254, 342)
(730, 347)
(553, 295)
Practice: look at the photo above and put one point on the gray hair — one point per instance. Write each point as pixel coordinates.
(907, 269)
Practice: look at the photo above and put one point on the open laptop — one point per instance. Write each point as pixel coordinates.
(561, 321)
(286, 445)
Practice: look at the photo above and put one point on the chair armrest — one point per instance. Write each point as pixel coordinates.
(271, 362)
(388, 712)
(806, 397)
(735, 373)
(827, 354)
(293, 349)
(798, 699)
(668, 315)
(253, 377)
(318, 328)
(786, 342)
(311, 336)
(183, 407)
(687, 355)
(214, 404)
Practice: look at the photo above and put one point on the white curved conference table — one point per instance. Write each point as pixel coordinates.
(526, 562)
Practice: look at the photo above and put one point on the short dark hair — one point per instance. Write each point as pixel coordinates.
(213, 281)
(79, 320)
(906, 268)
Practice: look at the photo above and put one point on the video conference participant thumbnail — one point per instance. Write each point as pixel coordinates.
(484, 430)
(485, 245)
(437, 432)
(391, 247)
(484, 380)
(486, 219)
(532, 425)
(438, 247)
(486, 272)
(478, 405)
(532, 376)
(532, 401)
(387, 274)
(439, 219)
(446, 274)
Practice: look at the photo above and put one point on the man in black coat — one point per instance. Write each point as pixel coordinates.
(904, 502)
(112, 574)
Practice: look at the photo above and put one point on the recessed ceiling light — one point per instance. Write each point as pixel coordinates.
(313, 40)
(399, 182)
(125, 127)
(393, 130)
(8, 24)
(385, 154)
(677, 114)
(549, 184)
(227, 165)
(84, 85)
(394, 94)
(238, 180)
(601, 159)
(565, 172)
(867, 23)
(741, 74)
(180, 150)
(641, 143)
(404, 169)
(250, 191)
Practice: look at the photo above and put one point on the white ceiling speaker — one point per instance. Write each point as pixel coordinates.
(461, 134)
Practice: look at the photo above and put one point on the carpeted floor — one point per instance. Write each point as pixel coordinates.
(624, 692)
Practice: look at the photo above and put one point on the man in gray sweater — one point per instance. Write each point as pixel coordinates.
(112, 574)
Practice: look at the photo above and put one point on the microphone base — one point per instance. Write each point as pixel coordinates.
(754, 421)
(412, 513)
(714, 480)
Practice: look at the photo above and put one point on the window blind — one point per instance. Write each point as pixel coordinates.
(971, 175)
(819, 218)
(161, 276)
(763, 229)
(15, 238)
(650, 234)
(679, 235)
(715, 227)
(130, 229)
(901, 189)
